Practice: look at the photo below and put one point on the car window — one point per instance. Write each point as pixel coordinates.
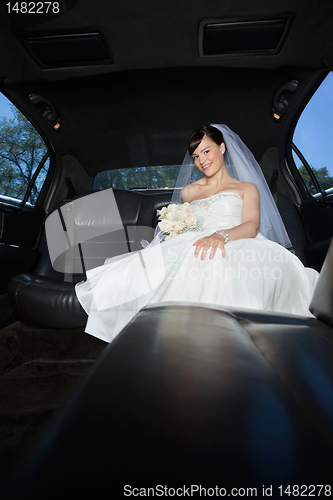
(312, 141)
(24, 159)
(141, 178)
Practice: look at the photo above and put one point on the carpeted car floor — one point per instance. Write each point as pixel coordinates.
(39, 368)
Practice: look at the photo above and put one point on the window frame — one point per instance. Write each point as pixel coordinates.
(307, 168)
(50, 154)
(294, 177)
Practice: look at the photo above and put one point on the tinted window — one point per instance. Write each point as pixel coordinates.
(22, 155)
(313, 154)
(158, 177)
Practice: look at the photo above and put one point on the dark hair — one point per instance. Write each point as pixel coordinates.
(212, 132)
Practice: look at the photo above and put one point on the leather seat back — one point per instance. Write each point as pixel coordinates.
(104, 223)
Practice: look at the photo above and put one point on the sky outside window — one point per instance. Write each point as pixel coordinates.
(314, 130)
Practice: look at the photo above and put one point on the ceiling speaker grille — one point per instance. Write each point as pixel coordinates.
(218, 38)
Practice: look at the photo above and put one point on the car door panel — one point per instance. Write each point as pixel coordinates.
(15, 260)
(19, 230)
(20, 226)
(318, 220)
(318, 217)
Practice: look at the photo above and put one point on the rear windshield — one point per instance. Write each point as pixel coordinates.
(141, 178)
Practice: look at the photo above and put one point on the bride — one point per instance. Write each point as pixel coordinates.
(237, 260)
(207, 148)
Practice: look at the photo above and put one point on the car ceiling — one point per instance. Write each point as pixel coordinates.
(140, 107)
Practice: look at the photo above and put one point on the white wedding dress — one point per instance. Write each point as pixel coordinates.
(256, 273)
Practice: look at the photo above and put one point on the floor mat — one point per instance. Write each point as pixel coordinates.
(39, 368)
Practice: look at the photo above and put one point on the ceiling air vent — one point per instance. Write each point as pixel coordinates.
(63, 50)
(234, 37)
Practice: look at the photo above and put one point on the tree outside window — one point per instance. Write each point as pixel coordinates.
(313, 138)
(21, 151)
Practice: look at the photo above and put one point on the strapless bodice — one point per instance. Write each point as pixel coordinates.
(220, 211)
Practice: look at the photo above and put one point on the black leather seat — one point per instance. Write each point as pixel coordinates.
(44, 298)
(46, 302)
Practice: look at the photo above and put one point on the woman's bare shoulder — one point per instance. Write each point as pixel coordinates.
(250, 190)
(190, 191)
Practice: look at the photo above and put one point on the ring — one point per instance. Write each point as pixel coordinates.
(215, 244)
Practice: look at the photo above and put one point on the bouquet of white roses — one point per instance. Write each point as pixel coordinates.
(177, 219)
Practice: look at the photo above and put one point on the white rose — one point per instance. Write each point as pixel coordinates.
(191, 221)
(182, 214)
(172, 207)
(178, 226)
(186, 207)
(165, 226)
(170, 215)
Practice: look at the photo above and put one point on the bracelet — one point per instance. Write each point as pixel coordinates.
(224, 234)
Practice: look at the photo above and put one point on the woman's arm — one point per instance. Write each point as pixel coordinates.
(185, 192)
(247, 229)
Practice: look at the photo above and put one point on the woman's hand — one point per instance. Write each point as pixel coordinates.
(212, 242)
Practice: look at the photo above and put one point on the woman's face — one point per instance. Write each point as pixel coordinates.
(208, 156)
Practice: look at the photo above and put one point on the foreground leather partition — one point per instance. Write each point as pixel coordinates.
(193, 397)
(322, 302)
